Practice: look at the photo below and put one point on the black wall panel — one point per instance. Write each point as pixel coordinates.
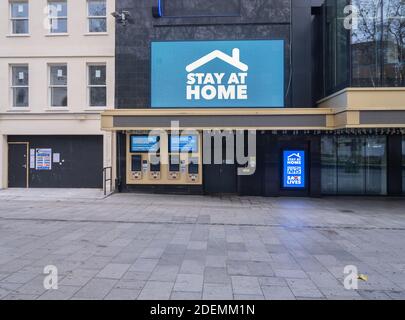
(259, 19)
(82, 165)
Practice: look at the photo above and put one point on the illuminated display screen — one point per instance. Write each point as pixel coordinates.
(183, 144)
(144, 143)
(217, 74)
(294, 169)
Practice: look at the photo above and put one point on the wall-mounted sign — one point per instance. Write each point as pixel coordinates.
(43, 159)
(194, 74)
(294, 169)
(144, 143)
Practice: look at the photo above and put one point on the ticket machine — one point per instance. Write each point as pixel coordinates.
(192, 169)
(142, 148)
(183, 155)
(174, 166)
(164, 159)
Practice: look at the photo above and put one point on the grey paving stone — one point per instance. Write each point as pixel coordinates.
(246, 285)
(274, 292)
(290, 274)
(237, 268)
(217, 291)
(260, 268)
(96, 288)
(189, 283)
(177, 295)
(192, 266)
(164, 273)
(144, 265)
(78, 277)
(216, 261)
(113, 271)
(248, 297)
(62, 293)
(216, 275)
(156, 290)
(272, 281)
(122, 294)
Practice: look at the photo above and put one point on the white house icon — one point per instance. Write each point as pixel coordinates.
(233, 60)
(294, 155)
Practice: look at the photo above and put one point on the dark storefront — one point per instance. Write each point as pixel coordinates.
(55, 161)
(307, 144)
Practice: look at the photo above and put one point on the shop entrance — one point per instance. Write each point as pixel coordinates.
(220, 177)
(18, 165)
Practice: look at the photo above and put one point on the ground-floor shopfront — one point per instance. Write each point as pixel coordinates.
(53, 151)
(347, 162)
(351, 144)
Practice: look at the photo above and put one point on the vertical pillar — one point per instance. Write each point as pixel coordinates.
(394, 165)
(3, 161)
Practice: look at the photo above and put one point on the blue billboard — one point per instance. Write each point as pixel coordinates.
(212, 74)
(294, 169)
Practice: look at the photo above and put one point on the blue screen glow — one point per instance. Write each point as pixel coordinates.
(294, 169)
(183, 144)
(144, 143)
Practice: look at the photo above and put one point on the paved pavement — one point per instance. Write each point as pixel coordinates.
(136, 246)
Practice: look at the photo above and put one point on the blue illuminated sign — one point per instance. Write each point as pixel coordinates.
(144, 143)
(183, 144)
(193, 74)
(294, 169)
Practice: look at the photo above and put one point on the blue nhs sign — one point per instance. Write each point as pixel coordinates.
(212, 74)
(294, 169)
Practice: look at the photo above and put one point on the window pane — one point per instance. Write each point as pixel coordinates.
(20, 97)
(58, 97)
(97, 25)
(328, 158)
(97, 8)
(97, 75)
(394, 43)
(20, 76)
(58, 25)
(98, 97)
(20, 26)
(57, 9)
(376, 166)
(366, 44)
(19, 10)
(58, 75)
(350, 170)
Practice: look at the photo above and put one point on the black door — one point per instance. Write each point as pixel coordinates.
(222, 177)
(17, 165)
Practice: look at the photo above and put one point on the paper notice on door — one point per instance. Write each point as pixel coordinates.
(32, 158)
(20, 8)
(98, 73)
(56, 157)
(43, 159)
(21, 76)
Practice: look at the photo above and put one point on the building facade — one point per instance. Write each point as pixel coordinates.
(56, 77)
(315, 97)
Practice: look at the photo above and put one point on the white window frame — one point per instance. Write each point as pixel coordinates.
(89, 85)
(13, 86)
(89, 17)
(51, 86)
(50, 18)
(12, 19)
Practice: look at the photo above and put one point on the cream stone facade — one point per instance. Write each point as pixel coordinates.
(77, 49)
